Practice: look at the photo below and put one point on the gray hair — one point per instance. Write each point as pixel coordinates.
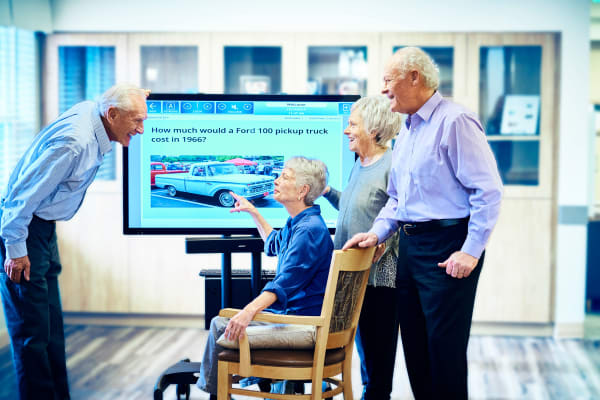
(413, 58)
(378, 118)
(311, 172)
(119, 96)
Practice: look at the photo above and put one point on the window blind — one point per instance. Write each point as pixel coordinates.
(85, 72)
(19, 96)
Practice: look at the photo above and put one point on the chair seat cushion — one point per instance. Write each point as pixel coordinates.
(275, 336)
(284, 358)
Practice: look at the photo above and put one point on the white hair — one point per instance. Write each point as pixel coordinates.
(378, 118)
(119, 96)
(413, 58)
(311, 172)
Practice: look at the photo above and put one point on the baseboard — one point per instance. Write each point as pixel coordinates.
(573, 330)
(511, 329)
(150, 320)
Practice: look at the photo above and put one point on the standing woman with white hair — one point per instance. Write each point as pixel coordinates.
(49, 184)
(371, 126)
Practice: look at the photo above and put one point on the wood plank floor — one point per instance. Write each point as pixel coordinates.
(123, 363)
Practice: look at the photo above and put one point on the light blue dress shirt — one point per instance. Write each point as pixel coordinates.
(443, 167)
(51, 178)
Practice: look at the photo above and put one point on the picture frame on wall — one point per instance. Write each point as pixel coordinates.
(520, 115)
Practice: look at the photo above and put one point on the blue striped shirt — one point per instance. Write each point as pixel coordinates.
(51, 178)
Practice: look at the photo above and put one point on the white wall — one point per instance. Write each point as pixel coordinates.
(318, 15)
(34, 15)
(569, 17)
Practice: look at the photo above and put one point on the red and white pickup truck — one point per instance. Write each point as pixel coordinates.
(158, 168)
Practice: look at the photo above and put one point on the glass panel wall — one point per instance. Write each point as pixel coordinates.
(169, 69)
(252, 70)
(337, 70)
(85, 72)
(518, 161)
(509, 96)
(509, 108)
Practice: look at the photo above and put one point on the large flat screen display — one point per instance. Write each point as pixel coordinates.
(197, 148)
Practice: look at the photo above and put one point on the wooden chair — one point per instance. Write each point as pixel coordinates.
(335, 330)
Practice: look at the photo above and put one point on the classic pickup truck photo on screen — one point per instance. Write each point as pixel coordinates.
(207, 181)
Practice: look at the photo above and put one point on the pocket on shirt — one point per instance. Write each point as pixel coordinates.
(429, 165)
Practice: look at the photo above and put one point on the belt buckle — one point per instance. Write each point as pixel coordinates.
(404, 226)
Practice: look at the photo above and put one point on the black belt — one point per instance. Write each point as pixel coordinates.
(36, 218)
(415, 228)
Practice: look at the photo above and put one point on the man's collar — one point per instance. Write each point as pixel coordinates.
(100, 132)
(427, 109)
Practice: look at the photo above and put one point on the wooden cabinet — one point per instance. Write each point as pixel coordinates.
(178, 62)
(518, 277)
(105, 271)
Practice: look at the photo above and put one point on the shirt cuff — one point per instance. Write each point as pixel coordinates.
(281, 302)
(380, 231)
(16, 250)
(267, 246)
(473, 247)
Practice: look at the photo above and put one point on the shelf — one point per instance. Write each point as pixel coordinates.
(513, 138)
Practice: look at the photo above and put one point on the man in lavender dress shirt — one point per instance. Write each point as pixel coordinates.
(445, 194)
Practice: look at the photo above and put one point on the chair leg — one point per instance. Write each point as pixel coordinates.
(224, 381)
(347, 379)
(317, 389)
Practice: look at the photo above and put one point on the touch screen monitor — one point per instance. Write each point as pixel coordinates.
(196, 149)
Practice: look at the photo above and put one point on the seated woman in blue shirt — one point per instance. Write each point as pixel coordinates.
(303, 247)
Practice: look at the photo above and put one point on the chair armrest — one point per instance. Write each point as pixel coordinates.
(289, 319)
(244, 347)
(277, 318)
(228, 312)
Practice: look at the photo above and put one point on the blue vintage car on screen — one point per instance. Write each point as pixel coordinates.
(217, 179)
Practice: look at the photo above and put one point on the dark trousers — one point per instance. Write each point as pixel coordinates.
(376, 342)
(34, 318)
(435, 313)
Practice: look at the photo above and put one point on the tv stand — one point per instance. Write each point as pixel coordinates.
(226, 245)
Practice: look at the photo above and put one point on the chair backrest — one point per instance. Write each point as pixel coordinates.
(344, 295)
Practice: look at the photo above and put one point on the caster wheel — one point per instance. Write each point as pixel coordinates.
(183, 390)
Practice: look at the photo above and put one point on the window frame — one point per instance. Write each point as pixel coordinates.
(51, 87)
(547, 166)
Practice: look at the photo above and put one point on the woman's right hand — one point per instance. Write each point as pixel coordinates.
(242, 204)
(236, 327)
